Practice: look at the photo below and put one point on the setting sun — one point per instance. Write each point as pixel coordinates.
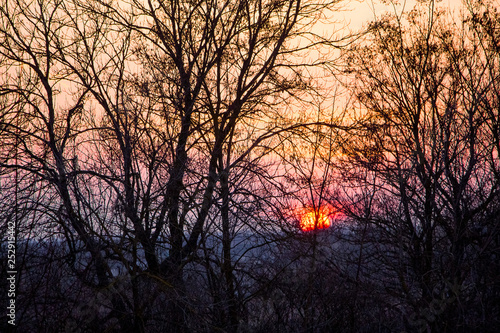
(314, 219)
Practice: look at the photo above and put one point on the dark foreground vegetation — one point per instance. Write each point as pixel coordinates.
(156, 157)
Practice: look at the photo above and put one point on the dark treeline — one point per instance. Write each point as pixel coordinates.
(156, 156)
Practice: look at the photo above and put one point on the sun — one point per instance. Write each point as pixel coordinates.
(314, 219)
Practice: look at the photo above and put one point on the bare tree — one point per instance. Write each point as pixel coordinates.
(138, 121)
(426, 156)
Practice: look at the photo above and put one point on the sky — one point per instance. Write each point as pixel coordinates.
(359, 12)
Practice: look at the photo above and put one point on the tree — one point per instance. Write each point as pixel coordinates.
(426, 163)
(138, 120)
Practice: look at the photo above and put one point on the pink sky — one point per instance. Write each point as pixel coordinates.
(361, 11)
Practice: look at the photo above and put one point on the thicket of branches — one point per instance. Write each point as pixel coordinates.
(156, 156)
(424, 165)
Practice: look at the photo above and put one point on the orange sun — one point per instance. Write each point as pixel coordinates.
(314, 219)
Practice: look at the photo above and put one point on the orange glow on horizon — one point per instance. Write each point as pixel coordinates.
(314, 219)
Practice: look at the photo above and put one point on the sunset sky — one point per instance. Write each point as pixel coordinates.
(179, 166)
(359, 12)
